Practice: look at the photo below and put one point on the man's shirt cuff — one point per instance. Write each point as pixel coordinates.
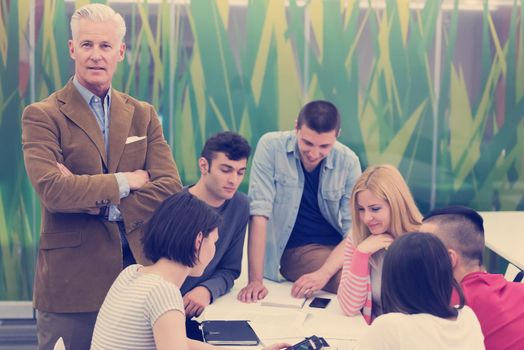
(260, 207)
(123, 185)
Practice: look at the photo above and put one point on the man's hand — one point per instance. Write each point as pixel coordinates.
(253, 292)
(374, 243)
(309, 283)
(136, 179)
(196, 300)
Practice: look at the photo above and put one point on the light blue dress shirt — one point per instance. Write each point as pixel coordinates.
(101, 110)
(276, 184)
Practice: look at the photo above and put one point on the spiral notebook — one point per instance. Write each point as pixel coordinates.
(228, 333)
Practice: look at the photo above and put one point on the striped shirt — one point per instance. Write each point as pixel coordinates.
(133, 304)
(354, 291)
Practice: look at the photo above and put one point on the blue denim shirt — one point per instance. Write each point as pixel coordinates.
(276, 184)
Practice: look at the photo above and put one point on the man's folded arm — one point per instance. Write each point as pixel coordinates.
(59, 193)
(164, 179)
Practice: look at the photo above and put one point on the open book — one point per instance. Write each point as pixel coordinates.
(282, 298)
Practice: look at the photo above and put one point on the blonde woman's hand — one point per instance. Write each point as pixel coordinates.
(374, 243)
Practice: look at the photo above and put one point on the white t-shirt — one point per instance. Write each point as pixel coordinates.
(423, 331)
(132, 305)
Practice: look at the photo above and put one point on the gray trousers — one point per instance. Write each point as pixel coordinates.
(76, 329)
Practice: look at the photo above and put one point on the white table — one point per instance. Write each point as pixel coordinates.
(504, 234)
(290, 325)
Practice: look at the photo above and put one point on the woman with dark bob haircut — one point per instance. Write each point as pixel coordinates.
(417, 283)
(144, 308)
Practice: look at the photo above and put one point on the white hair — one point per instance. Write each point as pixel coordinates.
(98, 13)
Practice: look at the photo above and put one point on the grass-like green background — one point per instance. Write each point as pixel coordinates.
(431, 87)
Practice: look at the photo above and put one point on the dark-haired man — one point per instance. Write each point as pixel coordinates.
(222, 164)
(299, 192)
(496, 302)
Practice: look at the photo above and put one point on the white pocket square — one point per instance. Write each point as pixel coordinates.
(132, 139)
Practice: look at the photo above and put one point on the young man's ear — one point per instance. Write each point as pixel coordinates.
(454, 257)
(203, 165)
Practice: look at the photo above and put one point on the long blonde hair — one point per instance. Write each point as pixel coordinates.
(385, 182)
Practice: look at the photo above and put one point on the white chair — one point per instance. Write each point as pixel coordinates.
(59, 345)
(513, 273)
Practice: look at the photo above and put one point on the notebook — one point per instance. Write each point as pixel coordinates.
(228, 333)
(283, 298)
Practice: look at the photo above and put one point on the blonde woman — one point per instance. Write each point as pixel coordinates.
(382, 209)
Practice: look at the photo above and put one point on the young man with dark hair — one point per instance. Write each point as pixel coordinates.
(496, 302)
(299, 190)
(222, 164)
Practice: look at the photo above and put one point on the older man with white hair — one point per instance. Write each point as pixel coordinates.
(99, 162)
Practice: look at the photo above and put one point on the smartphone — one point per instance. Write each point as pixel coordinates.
(321, 303)
(310, 343)
(306, 344)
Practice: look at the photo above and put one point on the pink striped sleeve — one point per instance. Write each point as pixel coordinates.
(354, 291)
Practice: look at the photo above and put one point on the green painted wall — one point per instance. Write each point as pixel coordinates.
(433, 88)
